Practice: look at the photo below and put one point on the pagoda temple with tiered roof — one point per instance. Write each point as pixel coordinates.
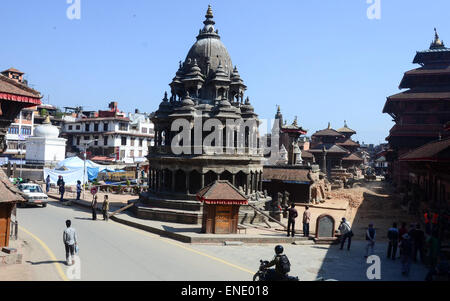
(421, 111)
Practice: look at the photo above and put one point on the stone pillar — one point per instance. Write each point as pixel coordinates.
(159, 179)
(324, 163)
(173, 180)
(150, 178)
(260, 181)
(247, 188)
(202, 183)
(187, 182)
(234, 180)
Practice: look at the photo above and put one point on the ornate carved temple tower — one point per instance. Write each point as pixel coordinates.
(206, 87)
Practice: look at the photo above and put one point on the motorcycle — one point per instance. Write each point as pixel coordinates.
(262, 274)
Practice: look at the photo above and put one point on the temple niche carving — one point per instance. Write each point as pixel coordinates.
(206, 86)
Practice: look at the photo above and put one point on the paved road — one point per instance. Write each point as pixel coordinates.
(110, 251)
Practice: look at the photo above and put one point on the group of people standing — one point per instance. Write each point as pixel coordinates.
(292, 215)
(105, 208)
(413, 244)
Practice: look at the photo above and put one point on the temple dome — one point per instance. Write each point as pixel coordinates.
(209, 48)
(46, 130)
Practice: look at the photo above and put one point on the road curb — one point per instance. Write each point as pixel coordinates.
(175, 236)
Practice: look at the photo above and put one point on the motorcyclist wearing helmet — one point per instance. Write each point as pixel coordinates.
(279, 273)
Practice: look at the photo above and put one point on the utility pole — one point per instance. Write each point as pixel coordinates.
(85, 144)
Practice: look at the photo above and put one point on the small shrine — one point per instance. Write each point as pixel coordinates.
(221, 203)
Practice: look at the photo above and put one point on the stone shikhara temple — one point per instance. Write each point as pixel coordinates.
(206, 86)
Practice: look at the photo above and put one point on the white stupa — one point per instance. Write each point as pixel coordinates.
(45, 147)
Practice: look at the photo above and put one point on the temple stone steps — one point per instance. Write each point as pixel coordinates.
(153, 202)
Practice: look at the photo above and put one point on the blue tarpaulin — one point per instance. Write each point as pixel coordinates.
(92, 173)
(70, 176)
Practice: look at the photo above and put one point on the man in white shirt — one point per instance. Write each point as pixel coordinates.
(70, 241)
(346, 233)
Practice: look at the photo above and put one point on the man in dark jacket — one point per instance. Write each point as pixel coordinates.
(418, 237)
(279, 273)
(291, 220)
(94, 208)
(62, 188)
(405, 253)
(370, 237)
(47, 184)
(393, 236)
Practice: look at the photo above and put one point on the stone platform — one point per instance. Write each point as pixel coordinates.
(152, 206)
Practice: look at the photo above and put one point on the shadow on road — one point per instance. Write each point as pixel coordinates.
(181, 230)
(45, 262)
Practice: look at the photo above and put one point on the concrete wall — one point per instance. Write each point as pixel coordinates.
(32, 174)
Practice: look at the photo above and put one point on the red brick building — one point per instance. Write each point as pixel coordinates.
(421, 111)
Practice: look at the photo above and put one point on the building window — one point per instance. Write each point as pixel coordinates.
(144, 130)
(124, 141)
(87, 127)
(122, 154)
(86, 138)
(123, 127)
(132, 141)
(141, 142)
(105, 141)
(26, 131)
(105, 127)
(70, 127)
(96, 127)
(13, 130)
(96, 140)
(140, 154)
(78, 127)
(78, 140)
(13, 145)
(132, 153)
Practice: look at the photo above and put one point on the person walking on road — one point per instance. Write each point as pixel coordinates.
(94, 208)
(291, 220)
(346, 233)
(105, 208)
(370, 237)
(393, 236)
(306, 220)
(70, 240)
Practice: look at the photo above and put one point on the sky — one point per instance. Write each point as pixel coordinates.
(321, 60)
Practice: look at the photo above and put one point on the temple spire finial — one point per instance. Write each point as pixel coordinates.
(437, 42)
(329, 125)
(209, 13)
